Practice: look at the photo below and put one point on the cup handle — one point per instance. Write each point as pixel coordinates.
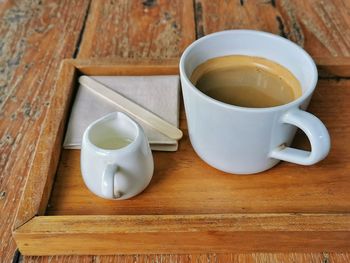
(109, 182)
(316, 133)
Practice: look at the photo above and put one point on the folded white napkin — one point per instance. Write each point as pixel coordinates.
(158, 94)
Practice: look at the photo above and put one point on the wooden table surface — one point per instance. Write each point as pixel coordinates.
(36, 35)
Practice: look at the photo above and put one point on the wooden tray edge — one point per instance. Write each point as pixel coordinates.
(333, 66)
(41, 175)
(154, 234)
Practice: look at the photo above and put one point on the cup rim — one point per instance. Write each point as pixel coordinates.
(108, 117)
(298, 101)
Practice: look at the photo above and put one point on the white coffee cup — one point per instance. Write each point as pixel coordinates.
(113, 168)
(249, 140)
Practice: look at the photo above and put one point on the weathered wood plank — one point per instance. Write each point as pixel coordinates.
(202, 258)
(34, 37)
(321, 27)
(113, 50)
(138, 29)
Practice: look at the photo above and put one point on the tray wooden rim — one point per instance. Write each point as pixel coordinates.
(37, 234)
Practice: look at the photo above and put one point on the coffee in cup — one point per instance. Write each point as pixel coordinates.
(246, 81)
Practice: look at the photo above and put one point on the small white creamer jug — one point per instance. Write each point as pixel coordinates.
(116, 159)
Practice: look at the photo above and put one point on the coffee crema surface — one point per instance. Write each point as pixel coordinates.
(246, 81)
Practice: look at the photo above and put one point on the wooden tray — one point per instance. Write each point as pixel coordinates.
(189, 206)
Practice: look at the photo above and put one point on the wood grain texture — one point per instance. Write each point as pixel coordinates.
(320, 27)
(34, 37)
(61, 259)
(184, 184)
(181, 234)
(138, 29)
(126, 66)
(43, 170)
(330, 66)
(257, 257)
(202, 258)
(126, 224)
